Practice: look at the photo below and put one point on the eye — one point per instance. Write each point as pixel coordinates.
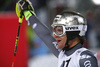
(59, 30)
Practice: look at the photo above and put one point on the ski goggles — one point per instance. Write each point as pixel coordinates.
(60, 30)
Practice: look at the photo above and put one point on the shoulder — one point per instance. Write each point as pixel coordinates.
(87, 59)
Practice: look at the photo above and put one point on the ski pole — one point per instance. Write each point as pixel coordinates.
(17, 37)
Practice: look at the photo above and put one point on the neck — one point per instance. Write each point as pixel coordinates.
(73, 42)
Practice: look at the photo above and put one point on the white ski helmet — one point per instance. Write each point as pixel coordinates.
(69, 21)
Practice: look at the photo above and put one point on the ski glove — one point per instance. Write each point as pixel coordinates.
(24, 8)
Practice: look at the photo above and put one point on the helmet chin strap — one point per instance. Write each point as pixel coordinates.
(66, 45)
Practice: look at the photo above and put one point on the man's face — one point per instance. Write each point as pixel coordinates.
(61, 41)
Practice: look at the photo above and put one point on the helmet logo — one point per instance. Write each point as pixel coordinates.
(71, 28)
(58, 17)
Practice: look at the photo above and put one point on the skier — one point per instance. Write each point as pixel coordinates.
(67, 41)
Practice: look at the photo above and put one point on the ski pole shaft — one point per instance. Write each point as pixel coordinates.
(16, 44)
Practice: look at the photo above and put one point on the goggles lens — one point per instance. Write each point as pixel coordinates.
(58, 30)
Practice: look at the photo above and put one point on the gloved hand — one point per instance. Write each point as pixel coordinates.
(18, 12)
(24, 8)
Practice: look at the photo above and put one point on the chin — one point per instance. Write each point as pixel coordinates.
(60, 46)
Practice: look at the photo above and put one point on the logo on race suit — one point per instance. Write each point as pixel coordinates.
(55, 44)
(71, 28)
(85, 56)
(87, 63)
(34, 25)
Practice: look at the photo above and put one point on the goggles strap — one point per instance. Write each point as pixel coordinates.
(76, 28)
